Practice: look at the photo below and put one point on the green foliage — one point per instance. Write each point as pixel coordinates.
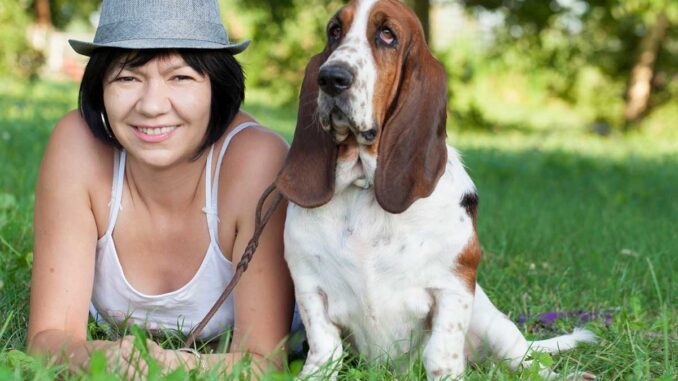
(65, 12)
(583, 51)
(285, 35)
(17, 59)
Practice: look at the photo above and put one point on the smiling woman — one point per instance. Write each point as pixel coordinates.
(147, 194)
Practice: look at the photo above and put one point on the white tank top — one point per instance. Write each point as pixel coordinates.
(116, 302)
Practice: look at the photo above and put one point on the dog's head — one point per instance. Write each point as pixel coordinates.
(376, 85)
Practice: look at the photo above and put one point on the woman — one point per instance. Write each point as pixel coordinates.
(146, 196)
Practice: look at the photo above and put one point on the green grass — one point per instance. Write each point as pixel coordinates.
(568, 221)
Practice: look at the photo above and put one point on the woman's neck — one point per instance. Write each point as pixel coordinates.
(172, 189)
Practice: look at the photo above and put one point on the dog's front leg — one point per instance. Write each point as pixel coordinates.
(324, 338)
(444, 352)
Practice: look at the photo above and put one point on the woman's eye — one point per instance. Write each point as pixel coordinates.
(124, 78)
(182, 78)
(387, 36)
(335, 32)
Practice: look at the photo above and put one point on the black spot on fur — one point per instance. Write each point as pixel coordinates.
(470, 203)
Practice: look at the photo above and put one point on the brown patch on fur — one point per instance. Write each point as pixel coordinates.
(410, 103)
(436, 373)
(374, 148)
(348, 149)
(467, 262)
(389, 61)
(346, 14)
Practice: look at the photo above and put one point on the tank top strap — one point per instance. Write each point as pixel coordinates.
(116, 189)
(212, 187)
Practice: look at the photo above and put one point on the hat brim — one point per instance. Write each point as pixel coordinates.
(86, 48)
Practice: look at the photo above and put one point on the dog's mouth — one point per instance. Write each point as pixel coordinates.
(335, 119)
(341, 124)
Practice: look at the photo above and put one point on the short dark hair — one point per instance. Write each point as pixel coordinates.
(226, 77)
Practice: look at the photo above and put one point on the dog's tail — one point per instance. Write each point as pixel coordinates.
(563, 343)
(493, 333)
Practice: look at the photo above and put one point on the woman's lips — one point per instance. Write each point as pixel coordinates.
(154, 134)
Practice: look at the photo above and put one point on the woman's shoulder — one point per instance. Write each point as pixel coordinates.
(254, 157)
(73, 151)
(257, 148)
(257, 138)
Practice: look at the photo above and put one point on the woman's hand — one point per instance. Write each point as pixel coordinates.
(131, 361)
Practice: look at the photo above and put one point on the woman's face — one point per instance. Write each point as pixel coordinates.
(159, 111)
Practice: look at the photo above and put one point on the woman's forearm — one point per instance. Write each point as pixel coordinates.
(61, 347)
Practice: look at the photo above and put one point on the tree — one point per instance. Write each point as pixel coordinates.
(640, 84)
(626, 40)
(43, 16)
(423, 10)
(59, 13)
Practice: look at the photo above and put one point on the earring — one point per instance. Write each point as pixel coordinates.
(106, 127)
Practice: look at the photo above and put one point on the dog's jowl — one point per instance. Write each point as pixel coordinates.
(381, 234)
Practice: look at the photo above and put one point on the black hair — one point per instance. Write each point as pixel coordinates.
(226, 77)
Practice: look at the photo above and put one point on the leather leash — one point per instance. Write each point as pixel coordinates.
(259, 225)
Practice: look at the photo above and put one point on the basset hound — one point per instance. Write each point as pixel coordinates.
(380, 236)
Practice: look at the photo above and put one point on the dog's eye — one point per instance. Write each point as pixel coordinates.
(334, 32)
(387, 36)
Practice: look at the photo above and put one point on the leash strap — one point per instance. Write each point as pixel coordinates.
(260, 224)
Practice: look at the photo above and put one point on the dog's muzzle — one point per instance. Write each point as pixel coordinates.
(336, 109)
(335, 79)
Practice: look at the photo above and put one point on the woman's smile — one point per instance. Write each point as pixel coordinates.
(154, 134)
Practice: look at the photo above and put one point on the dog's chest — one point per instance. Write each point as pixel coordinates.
(377, 269)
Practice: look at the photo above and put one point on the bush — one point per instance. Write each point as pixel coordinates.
(17, 58)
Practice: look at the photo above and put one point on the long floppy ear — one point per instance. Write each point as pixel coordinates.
(412, 150)
(307, 179)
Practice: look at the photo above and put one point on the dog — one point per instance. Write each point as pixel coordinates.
(380, 236)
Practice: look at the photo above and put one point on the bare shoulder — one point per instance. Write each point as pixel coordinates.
(256, 152)
(73, 154)
(252, 162)
(260, 143)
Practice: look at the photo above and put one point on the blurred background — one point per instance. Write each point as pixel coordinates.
(604, 66)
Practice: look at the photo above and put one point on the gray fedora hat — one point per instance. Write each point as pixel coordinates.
(160, 24)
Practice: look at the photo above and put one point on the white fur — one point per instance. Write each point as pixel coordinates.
(359, 269)
(376, 276)
(356, 103)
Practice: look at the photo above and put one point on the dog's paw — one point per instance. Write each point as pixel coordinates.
(444, 374)
(316, 373)
(581, 376)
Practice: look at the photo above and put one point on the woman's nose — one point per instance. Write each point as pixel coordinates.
(154, 100)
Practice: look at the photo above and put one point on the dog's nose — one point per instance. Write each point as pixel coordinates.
(334, 79)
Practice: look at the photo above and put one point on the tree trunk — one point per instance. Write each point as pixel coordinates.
(640, 83)
(42, 13)
(423, 8)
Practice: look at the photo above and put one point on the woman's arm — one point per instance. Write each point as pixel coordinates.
(264, 298)
(65, 245)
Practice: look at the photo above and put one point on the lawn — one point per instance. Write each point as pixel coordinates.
(569, 222)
